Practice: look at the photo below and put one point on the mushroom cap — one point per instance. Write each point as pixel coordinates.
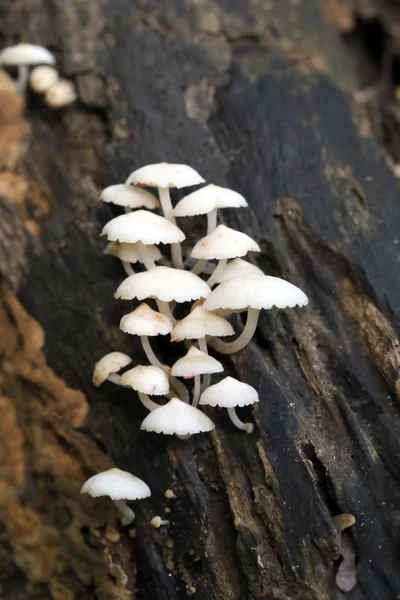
(130, 252)
(60, 94)
(229, 392)
(127, 195)
(200, 323)
(146, 321)
(146, 379)
(255, 291)
(177, 417)
(117, 484)
(238, 268)
(142, 226)
(195, 362)
(165, 175)
(42, 78)
(26, 54)
(224, 242)
(207, 199)
(164, 283)
(110, 363)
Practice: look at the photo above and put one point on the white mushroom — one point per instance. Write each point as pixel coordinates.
(42, 78)
(147, 381)
(143, 228)
(108, 367)
(238, 268)
(194, 364)
(165, 176)
(60, 94)
(178, 418)
(24, 56)
(129, 196)
(131, 253)
(230, 393)
(252, 293)
(223, 243)
(119, 486)
(156, 522)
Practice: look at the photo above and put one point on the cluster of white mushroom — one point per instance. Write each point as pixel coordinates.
(134, 238)
(43, 78)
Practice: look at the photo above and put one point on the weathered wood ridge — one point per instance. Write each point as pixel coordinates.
(232, 88)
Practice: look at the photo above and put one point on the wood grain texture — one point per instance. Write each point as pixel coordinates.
(213, 84)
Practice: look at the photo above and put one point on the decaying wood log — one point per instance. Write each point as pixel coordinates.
(248, 95)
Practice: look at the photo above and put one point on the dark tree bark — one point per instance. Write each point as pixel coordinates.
(251, 95)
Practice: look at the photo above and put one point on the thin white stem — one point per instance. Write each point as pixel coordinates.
(22, 79)
(127, 267)
(211, 221)
(206, 378)
(180, 389)
(199, 266)
(148, 350)
(203, 345)
(145, 256)
(128, 516)
(217, 273)
(165, 309)
(247, 427)
(243, 339)
(114, 378)
(145, 400)
(196, 390)
(166, 205)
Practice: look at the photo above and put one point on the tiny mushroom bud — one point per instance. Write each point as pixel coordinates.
(108, 366)
(24, 56)
(42, 78)
(119, 486)
(146, 380)
(61, 94)
(178, 418)
(194, 364)
(156, 522)
(169, 494)
(129, 196)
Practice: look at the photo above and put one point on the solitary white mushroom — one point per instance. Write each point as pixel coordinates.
(223, 243)
(129, 196)
(165, 176)
(60, 94)
(230, 393)
(131, 253)
(143, 228)
(42, 78)
(194, 364)
(108, 367)
(24, 56)
(147, 381)
(238, 268)
(119, 486)
(252, 293)
(178, 418)
(156, 522)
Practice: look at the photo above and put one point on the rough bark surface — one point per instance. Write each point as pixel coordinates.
(250, 93)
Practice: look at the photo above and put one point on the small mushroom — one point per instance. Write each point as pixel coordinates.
(60, 94)
(131, 253)
(170, 494)
(229, 393)
(178, 418)
(108, 367)
(157, 522)
(119, 486)
(42, 78)
(165, 176)
(252, 293)
(146, 381)
(223, 243)
(238, 268)
(129, 197)
(24, 56)
(194, 364)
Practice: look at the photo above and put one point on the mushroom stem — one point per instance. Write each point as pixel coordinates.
(145, 400)
(145, 257)
(166, 205)
(178, 386)
(199, 266)
(114, 378)
(211, 221)
(128, 516)
(127, 267)
(219, 269)
(247, 427)
(206, 378)
(196, 390)
(165, 309)
(243, 339)
(22, 79)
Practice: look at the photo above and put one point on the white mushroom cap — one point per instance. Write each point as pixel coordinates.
(238, 268)
(26, 54)
(60, 94)
(117, 484)
(129, 196)
(164, 283)
(142, 226)
(195, 362)
(224, 242)
(146, 321)
(200, 323)
(207, 199)
(42, 78)
(177, 417)
(255, 291)
(146, 379)
(130, 252)
(110, 363)
(229, 393)
(165, 175)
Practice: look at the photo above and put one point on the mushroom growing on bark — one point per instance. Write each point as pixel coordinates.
(60, 94)
(194, 364)
(178, 418)
(146, 381)
(238, 268)
(42, 78)
(24, 56)
(131, 253)
(129, 196)
(108, 367)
